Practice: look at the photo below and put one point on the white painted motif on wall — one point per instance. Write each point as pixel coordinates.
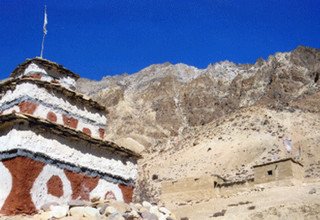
(105, 189)
(5, 184)
(39, 191)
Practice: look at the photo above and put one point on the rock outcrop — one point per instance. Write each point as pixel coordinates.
(163, 100)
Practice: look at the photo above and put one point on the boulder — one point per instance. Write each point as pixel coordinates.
(58, 211)
(138, 206)
(155, 210)
(46, 207)
(133, 215)
(143, 209)
(102, 209)
(149, 216)
(121, 207)
(77, 211)
(116, 216)
(91, 212)
(131, 144)
(88, 212)
(146, 204)
(110, 210)
(312, 191)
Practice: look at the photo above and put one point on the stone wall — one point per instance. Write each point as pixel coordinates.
(189, 189)
(230, 188)
(298, 171)
(30, 99)
(189, 184)
(26, 184)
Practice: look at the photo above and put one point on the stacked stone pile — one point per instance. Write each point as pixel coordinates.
(104, 209)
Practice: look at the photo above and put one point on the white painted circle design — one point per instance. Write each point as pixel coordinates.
(104, 187)
(5, 184)
(39, 191)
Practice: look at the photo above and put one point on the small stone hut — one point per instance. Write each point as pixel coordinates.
(53, 146)
(285, 169)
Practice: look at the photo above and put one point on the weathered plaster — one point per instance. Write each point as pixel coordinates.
(29, 91)
(42, 111)
(73, 151)
(33, 68)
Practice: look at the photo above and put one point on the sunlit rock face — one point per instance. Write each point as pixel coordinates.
(163, 100)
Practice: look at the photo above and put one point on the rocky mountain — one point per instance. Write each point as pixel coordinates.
(164, 100)
(221, 120)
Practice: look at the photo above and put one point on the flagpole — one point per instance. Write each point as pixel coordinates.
(42, 45)
(44, 30)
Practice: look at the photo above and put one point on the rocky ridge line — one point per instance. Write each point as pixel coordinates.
(164, 100)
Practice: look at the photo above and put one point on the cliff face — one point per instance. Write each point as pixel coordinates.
(164, 100)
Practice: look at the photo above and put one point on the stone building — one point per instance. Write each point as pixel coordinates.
(190, 188)
(52, 143)
(285, 169)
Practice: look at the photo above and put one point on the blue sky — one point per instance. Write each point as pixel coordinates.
(106, 37)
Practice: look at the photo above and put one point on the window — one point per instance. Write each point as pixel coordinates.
(269, 172)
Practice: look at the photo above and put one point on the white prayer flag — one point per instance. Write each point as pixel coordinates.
(45, 22)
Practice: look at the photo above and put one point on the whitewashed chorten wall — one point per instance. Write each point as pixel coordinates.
(53, 145)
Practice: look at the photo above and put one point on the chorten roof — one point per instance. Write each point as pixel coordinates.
(48, 65)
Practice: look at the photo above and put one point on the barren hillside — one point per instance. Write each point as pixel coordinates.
(220, 120)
